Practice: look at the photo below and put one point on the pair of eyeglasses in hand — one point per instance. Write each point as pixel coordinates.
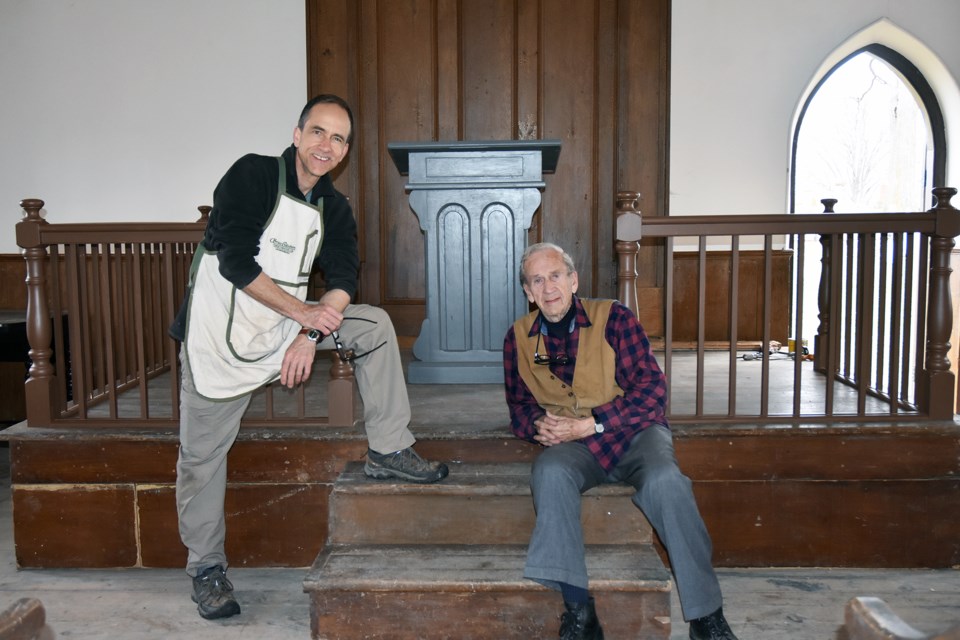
(348, 355)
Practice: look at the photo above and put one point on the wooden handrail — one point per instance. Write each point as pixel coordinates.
(789, 224)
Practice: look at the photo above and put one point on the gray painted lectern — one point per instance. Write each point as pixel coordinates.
(475, 202)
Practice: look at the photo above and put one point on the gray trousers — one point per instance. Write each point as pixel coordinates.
(208, 429)
(563, 472)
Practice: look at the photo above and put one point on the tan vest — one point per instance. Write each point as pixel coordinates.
(235, 344)
(594, 381)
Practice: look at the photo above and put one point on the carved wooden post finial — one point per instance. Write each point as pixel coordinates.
(628, 201)
(31, 208)
(204, 210)
(943, 195)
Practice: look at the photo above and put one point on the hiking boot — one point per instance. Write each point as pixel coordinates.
(580, 622)
(405, 465)
(711, 627)
(213, 594)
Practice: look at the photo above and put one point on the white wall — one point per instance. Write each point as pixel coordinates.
(113, 109)
(133, 109)
(739, 71)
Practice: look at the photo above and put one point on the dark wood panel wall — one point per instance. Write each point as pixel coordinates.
(750, 305)
(592, 73)
(13, 344)
(13, 287)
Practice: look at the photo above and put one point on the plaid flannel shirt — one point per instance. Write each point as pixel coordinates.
(638, 374)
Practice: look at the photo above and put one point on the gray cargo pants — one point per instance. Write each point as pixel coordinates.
(208, 429)
(563, 472)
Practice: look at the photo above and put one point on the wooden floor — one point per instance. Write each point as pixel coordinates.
(154, 604)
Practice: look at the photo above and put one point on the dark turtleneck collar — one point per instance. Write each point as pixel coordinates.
(562, 327)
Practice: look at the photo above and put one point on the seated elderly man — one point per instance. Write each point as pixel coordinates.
(581, 381)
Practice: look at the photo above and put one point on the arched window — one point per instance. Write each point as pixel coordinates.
(871, 135)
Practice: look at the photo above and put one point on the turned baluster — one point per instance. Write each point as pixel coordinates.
(821, 341)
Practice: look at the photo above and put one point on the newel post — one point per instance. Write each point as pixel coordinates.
(938, 383)
(821, 341)
(341, 394)
(40, 388)
(628, 232)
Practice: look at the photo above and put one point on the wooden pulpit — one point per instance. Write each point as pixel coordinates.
(475, 202)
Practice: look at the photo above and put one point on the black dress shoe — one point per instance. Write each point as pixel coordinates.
(580, 622)
(711, 627)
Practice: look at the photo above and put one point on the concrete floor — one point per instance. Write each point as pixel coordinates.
(154, 604)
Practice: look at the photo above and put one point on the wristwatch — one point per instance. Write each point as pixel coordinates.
(598, 427)
(312, 334)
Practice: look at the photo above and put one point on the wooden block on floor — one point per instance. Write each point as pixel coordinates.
(25, 620)
(476, 504)
(476, 592)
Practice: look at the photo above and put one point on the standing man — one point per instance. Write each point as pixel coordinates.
(246, 322)
(581, 381)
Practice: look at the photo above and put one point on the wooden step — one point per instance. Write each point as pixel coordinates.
(476, 504)
(476, 592)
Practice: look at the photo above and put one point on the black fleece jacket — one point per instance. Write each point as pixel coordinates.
(242, 204)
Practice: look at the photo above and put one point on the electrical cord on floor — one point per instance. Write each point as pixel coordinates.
(774, 355)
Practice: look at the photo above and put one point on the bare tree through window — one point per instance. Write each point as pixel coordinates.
(866, 140)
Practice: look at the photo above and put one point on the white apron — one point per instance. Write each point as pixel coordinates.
(233, 343)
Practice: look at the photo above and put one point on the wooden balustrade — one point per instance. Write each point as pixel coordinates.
(100, 298)
(880, 350)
